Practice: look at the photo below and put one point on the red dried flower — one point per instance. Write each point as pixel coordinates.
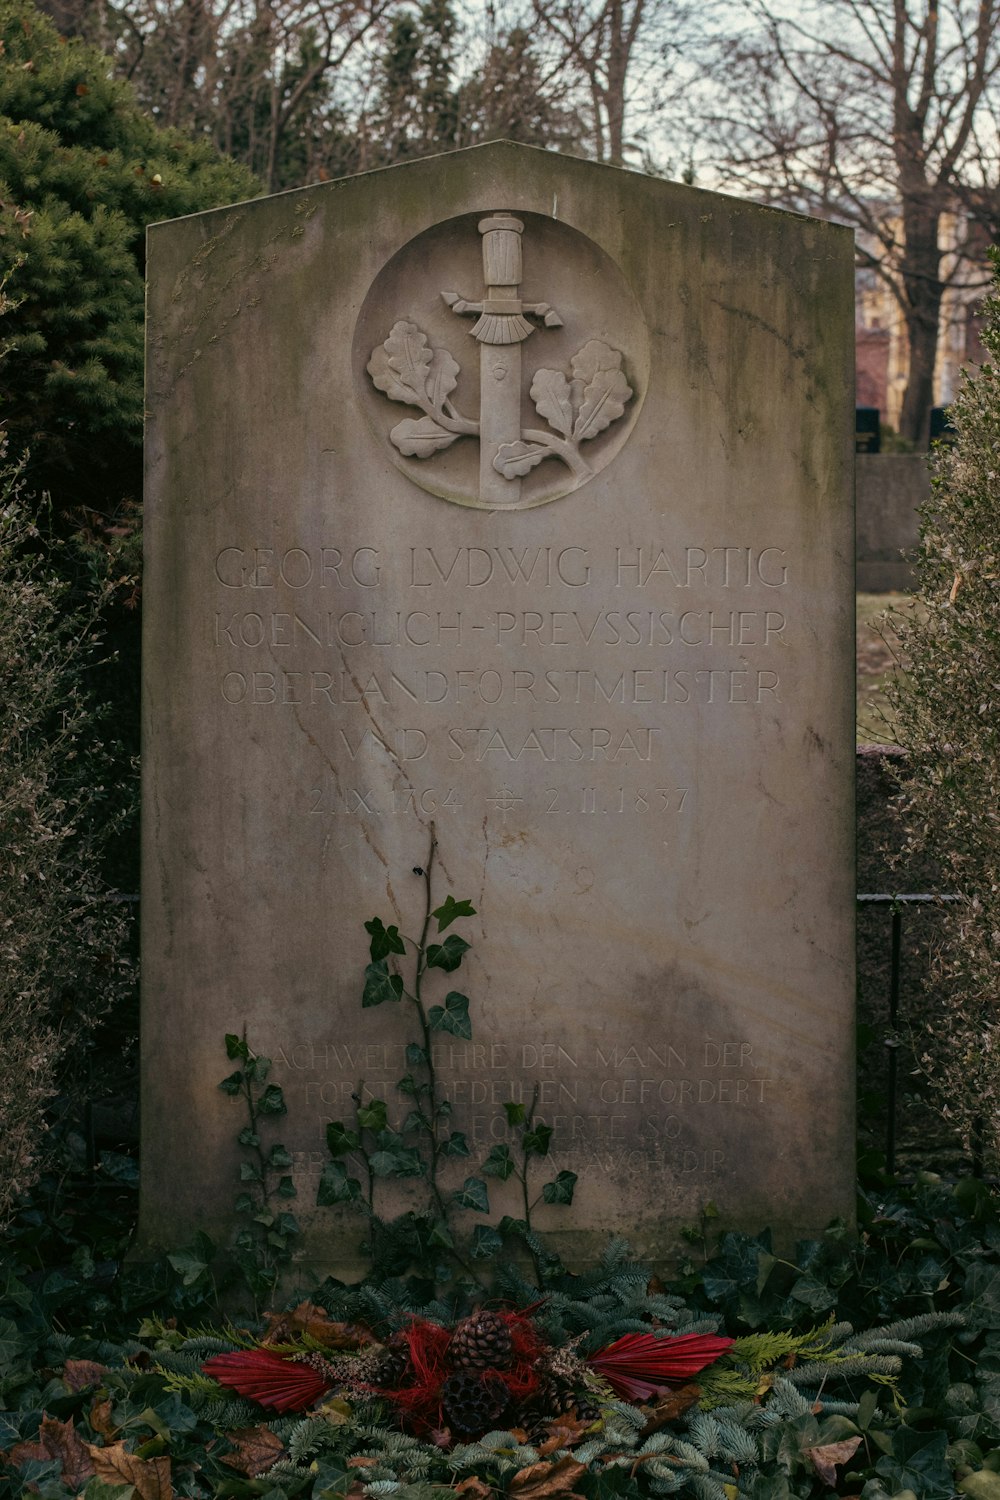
(640, 1365)
(272, 1380)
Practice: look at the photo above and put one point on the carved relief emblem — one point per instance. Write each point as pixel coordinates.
(577, 396)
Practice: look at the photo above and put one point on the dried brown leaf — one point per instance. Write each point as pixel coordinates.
(79, 1373)
(826, 1457)
(257, 1448)
(564, 1432)
(474, 1488)
(101, 1419)
(538, 1481)
(669, 1407)
(57, 1440)
(313, 1322)
(150, 1476)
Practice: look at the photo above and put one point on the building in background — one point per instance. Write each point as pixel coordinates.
(882, 346)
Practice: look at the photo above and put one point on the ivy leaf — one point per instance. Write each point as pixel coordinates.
(450, 910)
(416, 1057)
(440, 1235)
(272, 1101)
(551, 395)
(384, 940)
(258, 1068)
(561, 1189)
(514, 460)
(336, 1187)
(396, 1161)
(236, 1047)
(380, 985)
(453, 1016)
(606, 390)
(189, 1264)
(516, 1113)
(455, 1145)
(409, 1085)
(373, 1115)
(232, 1084)
(340, 1140)
(536, 1140)
(286, 1188)
(486, 1242)
(918, 1463)
(473, 1194)
(419, 438)
(500, 1163)
(279, 1157)
(247, 1137)
(401, 366)
(249, 1173)
(447, 955)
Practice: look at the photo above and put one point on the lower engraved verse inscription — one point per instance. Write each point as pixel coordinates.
(610, 1109)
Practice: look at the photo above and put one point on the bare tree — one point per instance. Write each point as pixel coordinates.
(254, 76)
(623, 54)
(882, 114)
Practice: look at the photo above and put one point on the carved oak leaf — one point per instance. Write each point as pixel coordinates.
(442, 377)
(550, 392)
(605, 389)
(421, 439)
(514, 460)
(400, 368)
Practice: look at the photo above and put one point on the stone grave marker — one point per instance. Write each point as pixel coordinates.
(508, 496)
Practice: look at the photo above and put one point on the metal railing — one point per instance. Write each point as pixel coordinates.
(897, 905)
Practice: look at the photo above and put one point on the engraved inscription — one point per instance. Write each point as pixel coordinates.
(611, 1108)
(580, 637)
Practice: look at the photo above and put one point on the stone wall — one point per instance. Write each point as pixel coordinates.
(890, 487)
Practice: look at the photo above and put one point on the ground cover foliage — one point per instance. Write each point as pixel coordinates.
(868, 1364)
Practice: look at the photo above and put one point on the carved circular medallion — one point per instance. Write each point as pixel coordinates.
(502, 358)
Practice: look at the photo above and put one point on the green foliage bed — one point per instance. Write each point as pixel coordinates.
(867, 1364)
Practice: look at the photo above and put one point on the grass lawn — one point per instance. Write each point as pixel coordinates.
(877, 660)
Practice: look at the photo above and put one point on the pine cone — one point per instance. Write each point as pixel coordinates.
(481, 1342)
(557, 1398)
(473, 1403)
(393, 1363)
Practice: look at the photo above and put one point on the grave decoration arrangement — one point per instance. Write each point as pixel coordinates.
(494, 1366)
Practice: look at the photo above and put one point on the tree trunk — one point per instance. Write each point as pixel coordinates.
(920, 271)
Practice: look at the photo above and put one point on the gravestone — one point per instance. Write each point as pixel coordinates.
(508, 497)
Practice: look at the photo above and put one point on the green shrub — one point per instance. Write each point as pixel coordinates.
(948, 711)
(63, 949)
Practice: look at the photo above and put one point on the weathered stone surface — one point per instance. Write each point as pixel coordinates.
(623, 696)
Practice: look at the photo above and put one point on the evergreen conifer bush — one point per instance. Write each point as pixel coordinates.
(948, 713)
(82, 172)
